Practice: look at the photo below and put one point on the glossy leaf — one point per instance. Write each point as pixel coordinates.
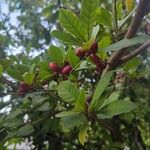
(101, 86)
(56, 55)
(118, 107)
(104, 17)
(88, 13)
(67, 38)
(72, 24)
(26, 130)
(127, 43)
(68, 91)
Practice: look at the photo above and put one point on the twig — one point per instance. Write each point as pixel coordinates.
(142, 9)
(135, 52)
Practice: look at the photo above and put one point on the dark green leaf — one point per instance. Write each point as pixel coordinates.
(73, 24)
(26, 130)
(88, 13)
(127, 43)
(67, 38)
(117, 108)
(68, 91)
(56, 54)
(104, 17)
(102, 84)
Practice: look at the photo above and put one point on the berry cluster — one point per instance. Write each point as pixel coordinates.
(91, 52)
(65, 70)
(24, 88)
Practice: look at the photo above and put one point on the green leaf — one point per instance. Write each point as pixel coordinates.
(104, 17)
(6, 63)
(133, 63)
(26, 130)
(15, 74)
(72, 58)
(105, 42)
(102, 84)
(82, 136)
(73, 24)
(28, 77)
(81, 101)
(113, 97)
(66, 113)
(3, 134)
(69, 122)
(67, 38)
(68, 91)
(140, 39)
(117, 108)
(89, 13)
(20, 67)
(43, 107)
(56, 55)
(1, 70)
(36, 100)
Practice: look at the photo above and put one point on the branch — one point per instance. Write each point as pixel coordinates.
(135, 52)
(142, 9)
(9, 83)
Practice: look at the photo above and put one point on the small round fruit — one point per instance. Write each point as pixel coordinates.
(54, 67)
(66, 70)
(93, 49)
(80, 52)
(24, 87)
(97, 61)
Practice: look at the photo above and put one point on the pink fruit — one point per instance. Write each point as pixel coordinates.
(80, 52)
(93, 49)
(97, 61)
(54, 67)
(66, 70)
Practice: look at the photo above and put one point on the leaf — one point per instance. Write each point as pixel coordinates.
(21, 68)
(117, 108)
(67, 38)
(56, 55)
(73, 24)
(15, 74)
(102, 84)
(95, 32)
(66, 113)
(81, 101)
(6, 63)
(104, 17)
(43, 107)
(36, 100)
(113, 97)
(89, 13)
(1, 70)
(105, 42)
(26, 130)
(133, 63)
(68, 91)
(72, 58)
(69, 122)
(28, 77)
(3, 134)
(82, 136)
(140, 39)
(129, 5)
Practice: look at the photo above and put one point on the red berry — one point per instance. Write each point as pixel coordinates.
(54, 67)
(66, 70)
(97, 61)
(23, 88)
(93, 49)
(80, 52)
